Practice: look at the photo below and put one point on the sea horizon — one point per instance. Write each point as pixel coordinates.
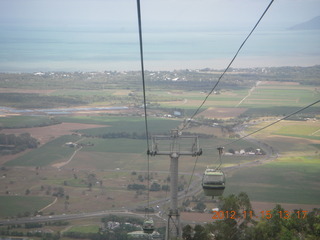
(86, 49)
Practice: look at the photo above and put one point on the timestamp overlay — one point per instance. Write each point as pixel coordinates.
(268, 214)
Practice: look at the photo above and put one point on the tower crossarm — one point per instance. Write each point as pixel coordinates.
(175, 143)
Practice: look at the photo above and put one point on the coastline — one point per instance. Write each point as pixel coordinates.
(162, 65)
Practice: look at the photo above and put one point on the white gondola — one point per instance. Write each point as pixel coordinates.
(148, 226)
(213, 182)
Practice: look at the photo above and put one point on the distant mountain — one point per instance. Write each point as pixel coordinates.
(309, 25)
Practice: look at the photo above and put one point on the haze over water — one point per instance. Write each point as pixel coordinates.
(99, 50)
(91, 36)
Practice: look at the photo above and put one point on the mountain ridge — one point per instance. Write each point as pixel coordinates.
(312, 24)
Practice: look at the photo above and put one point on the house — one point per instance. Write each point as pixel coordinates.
(71, 144)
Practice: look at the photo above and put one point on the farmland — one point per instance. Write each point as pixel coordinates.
(288, 180)
(110, 150)
(15, 205)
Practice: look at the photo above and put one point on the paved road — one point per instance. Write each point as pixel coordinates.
(68, 217)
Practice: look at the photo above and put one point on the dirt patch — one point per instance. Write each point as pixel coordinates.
(122, 93)
(196, 217)
(48, 133)
(222, 112)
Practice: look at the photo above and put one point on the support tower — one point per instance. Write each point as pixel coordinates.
(174, 146)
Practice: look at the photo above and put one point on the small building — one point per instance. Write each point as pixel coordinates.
(71, 144)
(228, 154)
(177, 113)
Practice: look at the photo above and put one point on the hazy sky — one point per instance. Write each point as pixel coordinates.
(156, 14)
(63, 29)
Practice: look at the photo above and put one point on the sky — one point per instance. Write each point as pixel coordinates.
(156, 14)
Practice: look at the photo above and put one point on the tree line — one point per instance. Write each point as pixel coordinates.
(12, 144)
(236, 220)
(32, 100)
(155, 187)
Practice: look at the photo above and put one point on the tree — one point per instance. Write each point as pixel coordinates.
(155, 187)
(187, 232)
(92, 179)
(165, 188)
(279, 224)
(225, 229)
(90, 186)
(186, 203)
(59, 192)
(140, 178)
(200, 233)
(231, 151)
(136, 187)
(233, 226)
(200, 206)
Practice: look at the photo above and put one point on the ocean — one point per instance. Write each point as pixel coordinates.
(50, 49)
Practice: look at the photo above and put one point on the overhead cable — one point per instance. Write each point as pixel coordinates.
(190, 180)
(229, 65)
(144, 95)
(269, 125)
(214, 87)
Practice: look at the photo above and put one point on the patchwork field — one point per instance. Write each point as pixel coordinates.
(222, 113)
(292, 129)
(95, 174)
(264, 95)
(294, 176)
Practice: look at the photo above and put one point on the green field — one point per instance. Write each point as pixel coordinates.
(134, 125)
(85, 229)
(273, 96)
(302, 131)
(26, 121)
(56, 150)
(46, 154)
(124, 124)
(263, 96)
(117, 145)
(305, 130)
(293, 180)
(13, 205)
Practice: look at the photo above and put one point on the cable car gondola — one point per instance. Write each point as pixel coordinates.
(148, 226)
(213, 182)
